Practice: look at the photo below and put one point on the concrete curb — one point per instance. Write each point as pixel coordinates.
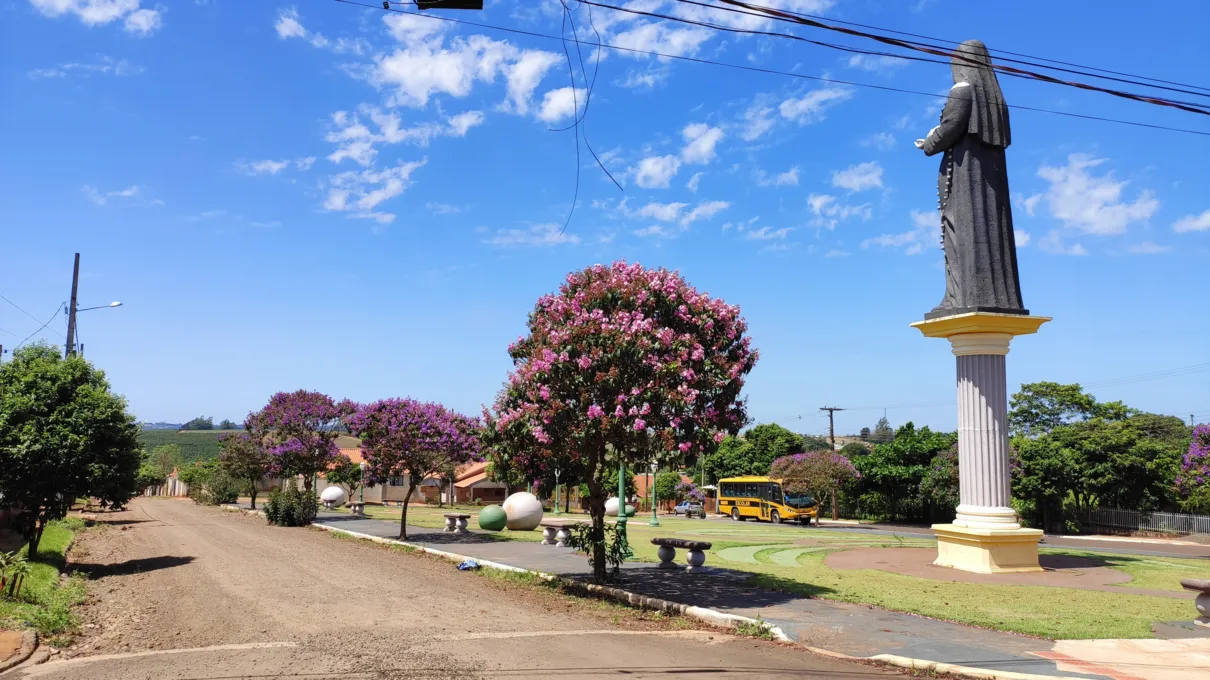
(939, 668)
(29, 642)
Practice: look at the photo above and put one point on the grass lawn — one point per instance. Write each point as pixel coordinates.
(791, 559)
(45, 604)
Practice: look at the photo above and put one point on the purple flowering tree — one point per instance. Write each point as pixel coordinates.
(405, 437)
(299, 431)
(1193, 481)
(816, 472)
(689, 491)
(622, 364)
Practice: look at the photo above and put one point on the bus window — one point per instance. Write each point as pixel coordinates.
(726, 490)
(775, 494)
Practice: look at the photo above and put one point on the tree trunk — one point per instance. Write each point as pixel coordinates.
(566, 499)
(307, 483)
(596, 509)
(403, 516)
(835, 507)
(252, 494)
(35, 538)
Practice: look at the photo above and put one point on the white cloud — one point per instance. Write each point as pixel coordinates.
(660, 37)
(836, 252)
(1030, 204)
(561, 103)
(696, 180)
(1091, 204)
(304, 164)
(360, 192)
(656, 231)
(539, 235)
(700, 140)
(1149, 248)
(925, 234)
(768, 234)
(1192, 223)
(1021, 237)
(412, 28)
(289, 26)
(442, 208)
(356, 141)
(143, 22)
(525, 74)
(858, 177)
(265, 167)
(107, 66)
(788, 178)
(757, 120)
(876, 63)
(655, 172)
(101, 12)
(1053, 243)
(704, 211)
(879, 140)
(132, 194)
(643, 80)
(811, 107)
(828, 211)
(664, 212)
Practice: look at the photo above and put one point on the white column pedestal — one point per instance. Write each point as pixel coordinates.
(986, 535)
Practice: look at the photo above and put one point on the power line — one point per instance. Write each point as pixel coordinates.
(52, 318)
(762, 11)
(757, 69)
(14, 304)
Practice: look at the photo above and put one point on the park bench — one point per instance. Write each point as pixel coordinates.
(554, 531)
(455, 522)
(357, 509)
(1200, 586)
(667, 552)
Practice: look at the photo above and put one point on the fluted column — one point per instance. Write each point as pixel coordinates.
(983, 469)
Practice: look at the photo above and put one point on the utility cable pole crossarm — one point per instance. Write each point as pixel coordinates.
(831, 424)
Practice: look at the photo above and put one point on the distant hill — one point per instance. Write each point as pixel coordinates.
(194, 444)
(160, 426)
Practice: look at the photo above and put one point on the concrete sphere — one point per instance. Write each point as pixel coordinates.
(524, 511)
(611, 507)
(630, 510)
(333, 495)
(492, 518)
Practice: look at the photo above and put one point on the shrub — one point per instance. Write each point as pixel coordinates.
(209, 484)
(291, 508)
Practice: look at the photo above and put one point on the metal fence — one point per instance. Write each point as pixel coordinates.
(1110, 519)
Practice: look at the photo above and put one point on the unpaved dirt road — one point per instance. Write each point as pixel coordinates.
(182, 591)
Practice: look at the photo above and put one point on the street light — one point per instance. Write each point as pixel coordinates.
(655, 467)
(115, 303)
(556, 492)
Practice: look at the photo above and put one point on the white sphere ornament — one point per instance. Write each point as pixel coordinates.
(524, 511)
(333, 496)
(611, 507)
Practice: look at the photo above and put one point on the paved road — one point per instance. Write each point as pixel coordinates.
(182, 591)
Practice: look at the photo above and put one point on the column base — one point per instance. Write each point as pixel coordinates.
(987, 551)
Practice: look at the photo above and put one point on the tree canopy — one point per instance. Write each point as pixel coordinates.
(299, 430)
(891, 474)
(199, 423)
(752, 452)
(244, 459)
(63, 435)
(1040, 407)
(882, 433)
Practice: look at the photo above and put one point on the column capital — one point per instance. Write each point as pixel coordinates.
(967, 344)
(980, 322)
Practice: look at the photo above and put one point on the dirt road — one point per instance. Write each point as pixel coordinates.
(182, 591)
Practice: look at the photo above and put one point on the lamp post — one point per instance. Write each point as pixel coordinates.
(73, 310)
(556, 492)
(655, 477)
(361, 490)
(622, 508)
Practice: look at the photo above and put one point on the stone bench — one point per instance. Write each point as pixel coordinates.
(357, 509)
(554, 531)
(455, 522)
(1200, 586)
(667, 552)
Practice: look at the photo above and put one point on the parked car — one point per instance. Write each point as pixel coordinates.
(690, 509)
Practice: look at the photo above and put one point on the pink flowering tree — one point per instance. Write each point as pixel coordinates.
(405, 437)
(815, 472)
(620, 364)
(1193, 480)
(299, 431)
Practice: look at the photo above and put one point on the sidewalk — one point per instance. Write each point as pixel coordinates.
(849, 629)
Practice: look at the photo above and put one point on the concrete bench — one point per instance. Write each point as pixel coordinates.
(1200, 586)
(455, 522)
(667, 552)
(357, 509)
(554, 531)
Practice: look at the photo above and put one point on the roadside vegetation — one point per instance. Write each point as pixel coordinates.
(45, 601)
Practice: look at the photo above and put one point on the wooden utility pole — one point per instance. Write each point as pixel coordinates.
(831, 425)
(71, 311)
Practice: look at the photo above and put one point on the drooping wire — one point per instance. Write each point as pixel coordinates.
(769, 71)
(18, 308)
(52, 318)
(591, 86)
(575, 112)
(957, 42)
(1007, 70)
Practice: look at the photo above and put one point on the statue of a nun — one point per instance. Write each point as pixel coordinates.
(972, 187)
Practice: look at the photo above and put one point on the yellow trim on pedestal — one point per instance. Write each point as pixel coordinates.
(987, 551)
(980, 322)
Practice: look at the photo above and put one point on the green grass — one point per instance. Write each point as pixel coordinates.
(45, 604)
(1153, 573)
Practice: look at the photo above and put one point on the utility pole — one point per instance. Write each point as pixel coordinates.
(831, 425)
(71, 311)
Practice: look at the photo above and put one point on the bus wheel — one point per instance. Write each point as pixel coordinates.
(735, 515)
(774, 517)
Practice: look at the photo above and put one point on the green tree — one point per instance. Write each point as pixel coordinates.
(821, 473)
(734, 457)
(854, 450)
(865, 434)
(940, 483)
(344, 472)
(228, 425)
(149, 475)
(63, 435)
(891, 474)
(882, 433)
(666, 484)
(243, 458)
(1040, 407)
(209, 484)
(166, 457)
(199, 423)
(773, 441)
(812, 443)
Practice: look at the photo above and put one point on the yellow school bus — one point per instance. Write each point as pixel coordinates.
(762, 498)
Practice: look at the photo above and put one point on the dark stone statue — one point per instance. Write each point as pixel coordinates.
(972, 188)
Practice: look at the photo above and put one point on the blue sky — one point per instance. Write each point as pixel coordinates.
(331, 197)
